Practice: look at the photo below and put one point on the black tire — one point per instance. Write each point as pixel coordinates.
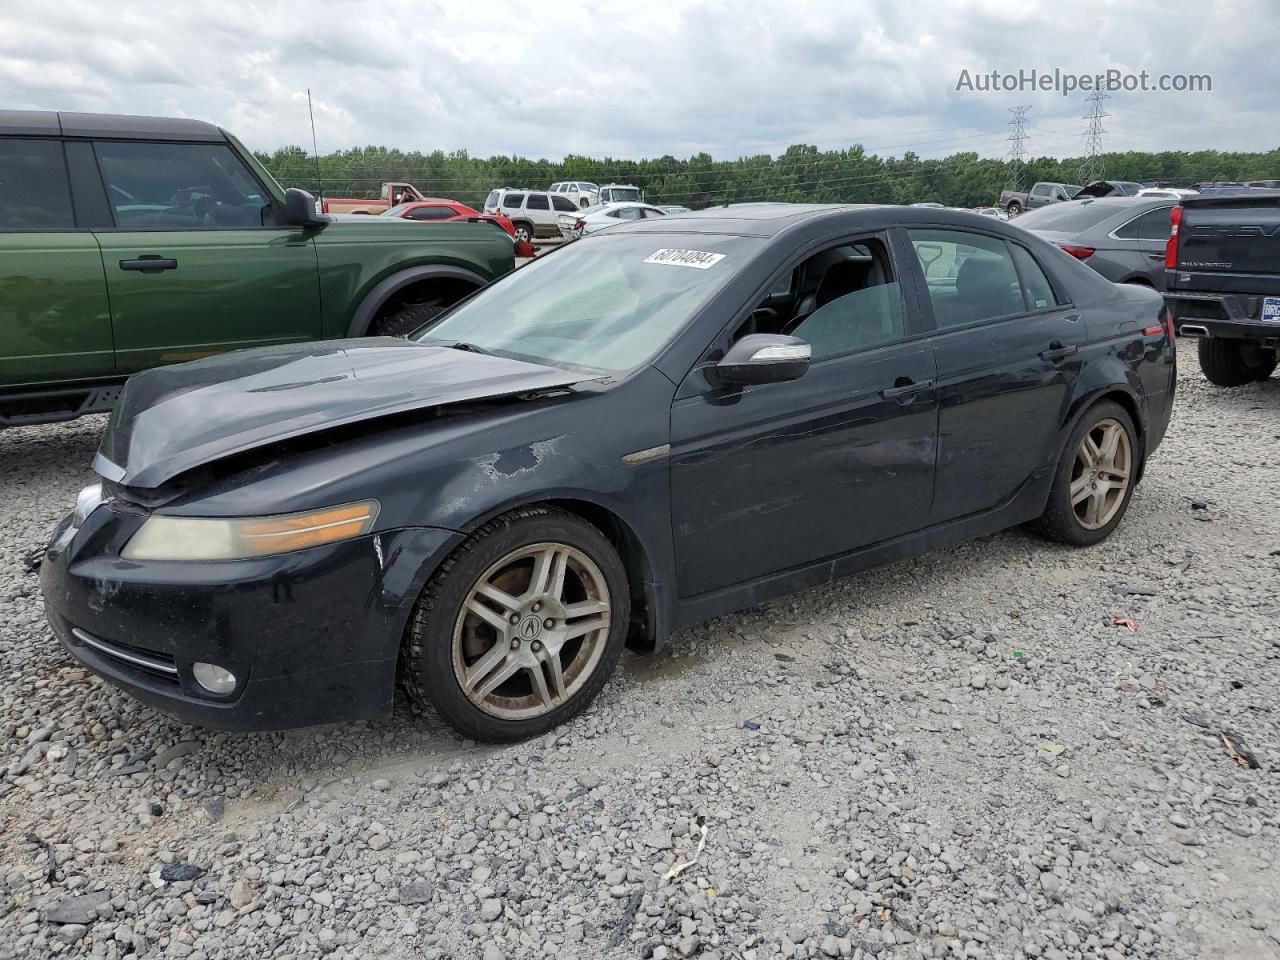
(1014, 209)
(1059, 521)
(524, 231)
(583, 204)
(1233, 363)
(405, 319)
(428, 668)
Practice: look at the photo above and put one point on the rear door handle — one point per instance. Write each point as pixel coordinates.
(1057, 352)
(904, 387)
(149, 263)
(1158, 257)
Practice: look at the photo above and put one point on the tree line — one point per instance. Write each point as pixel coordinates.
(802, 173)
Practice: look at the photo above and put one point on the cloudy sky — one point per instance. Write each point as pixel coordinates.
(632, 79)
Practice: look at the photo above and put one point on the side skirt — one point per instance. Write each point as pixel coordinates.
(1026, 505)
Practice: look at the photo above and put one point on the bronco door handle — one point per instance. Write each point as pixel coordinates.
(904, 387)
(149, 263)
(1057, 352)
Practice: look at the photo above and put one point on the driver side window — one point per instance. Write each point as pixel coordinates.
(179, 186)
(842, 300)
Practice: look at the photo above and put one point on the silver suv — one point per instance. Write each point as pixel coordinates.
(532, 212)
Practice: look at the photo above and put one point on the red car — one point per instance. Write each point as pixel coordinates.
(439, 210)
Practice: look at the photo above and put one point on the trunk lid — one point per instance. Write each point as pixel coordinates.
(172, 419)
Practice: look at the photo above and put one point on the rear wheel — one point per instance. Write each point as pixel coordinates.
(1014, 209)
(1095, 478)
(524, 232)
(1233, 363)
(520, 628)
(405, 319)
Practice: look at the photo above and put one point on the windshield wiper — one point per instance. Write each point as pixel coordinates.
(470, 348)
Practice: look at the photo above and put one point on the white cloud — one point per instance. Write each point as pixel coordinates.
(628, 79)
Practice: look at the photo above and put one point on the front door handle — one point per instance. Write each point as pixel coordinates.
(149, 263)
(905, 387)
(1057, 352)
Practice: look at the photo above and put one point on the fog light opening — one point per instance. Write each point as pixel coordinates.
(217, 680)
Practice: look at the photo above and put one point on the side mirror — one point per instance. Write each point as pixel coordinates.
(300, 209)
(764, 358)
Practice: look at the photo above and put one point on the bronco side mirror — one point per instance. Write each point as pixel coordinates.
(300, 209)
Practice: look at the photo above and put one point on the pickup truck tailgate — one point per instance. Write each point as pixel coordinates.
(1230, 244)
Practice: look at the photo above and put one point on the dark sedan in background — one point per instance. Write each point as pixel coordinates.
(658, 424)
(1123, 238)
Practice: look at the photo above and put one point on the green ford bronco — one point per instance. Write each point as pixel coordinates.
(130, 242)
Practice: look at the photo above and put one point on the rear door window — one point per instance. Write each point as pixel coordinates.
(432, 213)
(1035, 285)
(179, 186)
(971, 277)
(34, 192)
(538, 201)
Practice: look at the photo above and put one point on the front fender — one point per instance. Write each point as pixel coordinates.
(388, 286)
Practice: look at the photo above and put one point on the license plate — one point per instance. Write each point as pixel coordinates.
(1271, 309)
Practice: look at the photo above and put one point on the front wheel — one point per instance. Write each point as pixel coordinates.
(520, 628)
(1095, 478)
(1233, 363)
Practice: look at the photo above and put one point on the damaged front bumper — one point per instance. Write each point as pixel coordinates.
(307, 637)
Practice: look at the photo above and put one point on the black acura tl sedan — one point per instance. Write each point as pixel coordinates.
(649, 427)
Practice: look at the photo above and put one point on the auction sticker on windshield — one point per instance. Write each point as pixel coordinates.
(698, 259)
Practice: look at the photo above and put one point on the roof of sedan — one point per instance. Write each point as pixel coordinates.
(47, 123)
(771, 219)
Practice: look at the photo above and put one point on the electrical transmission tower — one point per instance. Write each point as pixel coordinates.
(1091, 169)
(1017, 150)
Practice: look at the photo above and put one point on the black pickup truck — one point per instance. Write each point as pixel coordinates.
(1223, 282)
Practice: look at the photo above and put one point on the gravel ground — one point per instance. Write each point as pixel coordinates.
(957, 756)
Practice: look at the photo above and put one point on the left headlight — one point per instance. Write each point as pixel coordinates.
(240, 538)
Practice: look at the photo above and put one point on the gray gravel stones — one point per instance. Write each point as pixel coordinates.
(81, 909)
(890, 797)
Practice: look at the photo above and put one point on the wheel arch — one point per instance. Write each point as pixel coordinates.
(399, 281)
(647, 630)
(1127, 398)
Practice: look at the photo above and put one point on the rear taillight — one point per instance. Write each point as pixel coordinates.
(324, 206)
(580, 225)
(1080, 253)
(1171, 247)
(1167, 319)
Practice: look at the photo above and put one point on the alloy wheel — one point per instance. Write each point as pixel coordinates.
(532, 631)
(1101, 474)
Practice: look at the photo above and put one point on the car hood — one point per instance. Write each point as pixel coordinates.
(172, 419)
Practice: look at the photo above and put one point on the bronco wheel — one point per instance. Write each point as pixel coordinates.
(405, 319)
(520, 627)
(1095, 478)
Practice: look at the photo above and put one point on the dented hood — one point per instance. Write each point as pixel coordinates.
(172, 419)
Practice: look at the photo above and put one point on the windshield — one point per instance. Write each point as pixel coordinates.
(1072, 216)
(607, 303)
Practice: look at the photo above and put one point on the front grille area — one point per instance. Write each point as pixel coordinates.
(158, 665)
